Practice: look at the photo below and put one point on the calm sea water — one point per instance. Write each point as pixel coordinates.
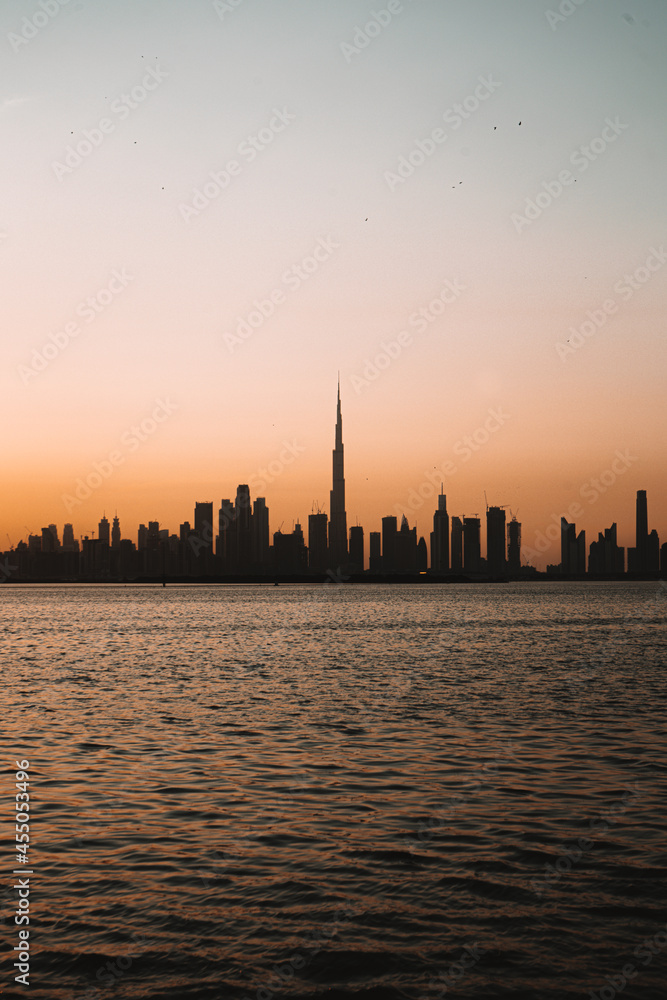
(368, 791)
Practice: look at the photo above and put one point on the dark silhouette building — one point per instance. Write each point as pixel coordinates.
(645, 556)
(653, 553)
(48, 543)
(356, 552)
(103, 553)
(260, 536)
(241, 535)
(318, 554)
(115, 534)
(289, 552)
(572, 550)
(375, 552)
(128, 564)
(152, 563)
(389, 533)
(223, 545)
(457, 545)
(514, 546)
(188, 550)
(337, 515)
(641, 533)
(204, 522)
(202, 542)
(605, 557)
(422, 556)
(440, 537)
(405, 548)
(103, 531)
(94, 561)
(495, 542)
(471, 545)
(70, 544)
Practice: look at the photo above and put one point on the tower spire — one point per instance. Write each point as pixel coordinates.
(337, 515)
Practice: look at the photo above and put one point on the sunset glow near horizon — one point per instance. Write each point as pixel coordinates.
(215, 207)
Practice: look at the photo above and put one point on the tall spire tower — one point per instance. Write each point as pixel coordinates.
(337, 515)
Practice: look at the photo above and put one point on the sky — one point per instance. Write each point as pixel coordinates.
(212, 208)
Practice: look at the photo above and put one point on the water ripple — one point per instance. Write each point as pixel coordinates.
(334, 792)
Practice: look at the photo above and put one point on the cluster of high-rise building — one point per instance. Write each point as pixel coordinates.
(235, 542)
(606, 557)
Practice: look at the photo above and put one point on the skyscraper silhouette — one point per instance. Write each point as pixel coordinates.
(457, 544)
(405, 548)
(605, 555)
(259, 529)
(471, 545)
(103, 531)
(653, 552)
(224, 547)
(375, 552)
(203, 548)
(69, 542)
(337, 515)
(572, 549)
(440, 537)
(641, 536)
(48, 541)
(317, 542)
(241, 529)
(357, 548)
(389, 532)
(289, 551)
(115, 533)
(514, 546)
(495, 542)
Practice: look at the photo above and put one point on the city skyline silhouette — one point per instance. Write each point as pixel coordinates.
(266, 241)
(237, 542)
(333, 529)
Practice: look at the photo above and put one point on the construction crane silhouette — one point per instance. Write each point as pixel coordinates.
(502, 506)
